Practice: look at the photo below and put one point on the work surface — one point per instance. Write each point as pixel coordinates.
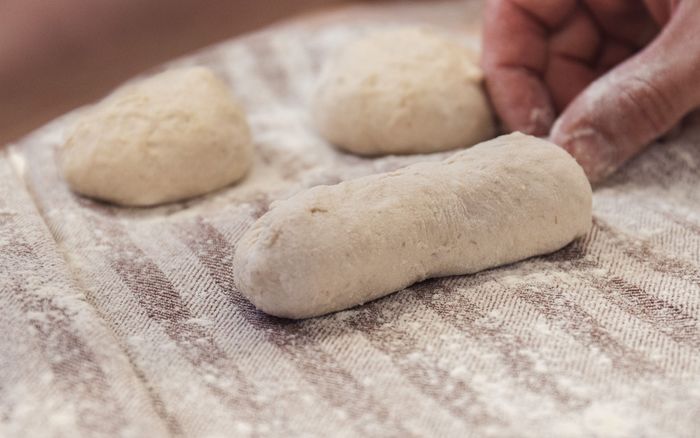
(123, 322)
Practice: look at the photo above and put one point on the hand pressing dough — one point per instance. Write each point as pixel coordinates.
(173, 136)
(333, 247)
(402, 92)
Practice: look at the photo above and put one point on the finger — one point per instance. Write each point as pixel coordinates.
(635, 103)
(566, 78)
(661, 10)
(628, 21)
(551, 13)
(521, 100)
(573, 49)
(578, 37)
(611, 54)
(514, 57)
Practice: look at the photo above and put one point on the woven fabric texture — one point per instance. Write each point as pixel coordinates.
(119, 322)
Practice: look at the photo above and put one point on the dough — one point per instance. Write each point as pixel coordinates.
(170, 137)
(333, 247)
(402, 92)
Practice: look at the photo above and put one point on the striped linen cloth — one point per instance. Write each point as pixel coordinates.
(119, 322)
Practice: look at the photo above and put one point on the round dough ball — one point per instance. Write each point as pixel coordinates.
(401, 92)
(173, 136)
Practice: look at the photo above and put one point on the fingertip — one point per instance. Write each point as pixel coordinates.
(521, 100)
(592, 149)
(537, 122)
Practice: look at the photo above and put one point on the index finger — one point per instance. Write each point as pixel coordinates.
(514, 58)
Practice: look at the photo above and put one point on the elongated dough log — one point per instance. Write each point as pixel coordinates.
(334, 247)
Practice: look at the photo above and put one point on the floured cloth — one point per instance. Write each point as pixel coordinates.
(120, 322)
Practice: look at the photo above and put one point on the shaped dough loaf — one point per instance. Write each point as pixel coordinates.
(334, 247)
(401, 92)
(170, 137)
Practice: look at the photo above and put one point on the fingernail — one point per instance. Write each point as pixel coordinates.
(598, 157)
(540, 121)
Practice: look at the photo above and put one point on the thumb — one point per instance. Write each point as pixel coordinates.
(618, 115)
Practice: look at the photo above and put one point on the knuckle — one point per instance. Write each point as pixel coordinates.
(651, 106)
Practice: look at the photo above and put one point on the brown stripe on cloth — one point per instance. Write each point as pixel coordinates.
(224, 270)
(250, 349)
(320, 369)
(43, 184)
(455, 306)
(556, 304)
(618, 252)
(85, 232)
(682, 221)
(415, 355)
(562, 311)
(404, 304)
(75, 367)
(643, 253)
(171, 423)
(665, 223)
(599, 276)
(598, 279)
(378, 371)
(465, 312)
(316, 335)
(664, 317)
(163, 304)
(549, 302)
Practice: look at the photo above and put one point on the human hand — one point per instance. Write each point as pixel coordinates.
(617, 73)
